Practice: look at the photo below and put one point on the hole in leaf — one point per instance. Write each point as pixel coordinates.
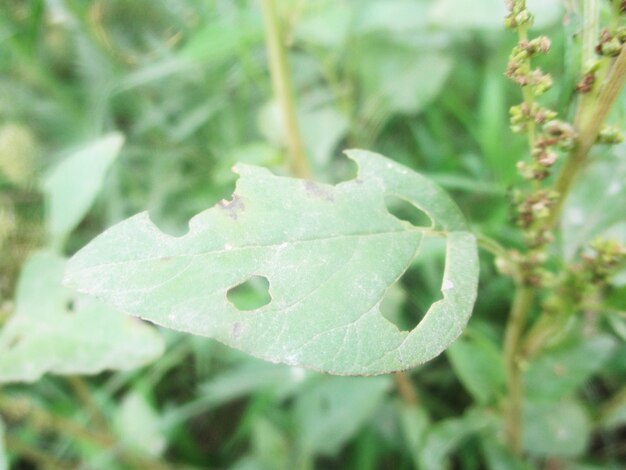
(402, 209)
(70, 306)
(251, 294)
(407, 301)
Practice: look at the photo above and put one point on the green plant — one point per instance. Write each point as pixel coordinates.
(355, 275)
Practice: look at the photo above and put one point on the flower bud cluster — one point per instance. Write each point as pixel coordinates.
(531, 267)
(604, 261)
(518, 14)
(556, 135)
(610, 44)
(610, 135)
(519, 70)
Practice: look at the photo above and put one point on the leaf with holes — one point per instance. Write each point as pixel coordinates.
(56, 330)
(327, 253)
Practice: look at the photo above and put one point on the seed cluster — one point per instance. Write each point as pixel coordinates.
(550, 139)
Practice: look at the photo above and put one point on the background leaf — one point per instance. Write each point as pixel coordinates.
(479, 366)
(329, 413)
(559, 371)
(74, 184)
(555, 429)
(137, 424)
(328, 252)
(446, 435)
(595, 207)
(55, 330)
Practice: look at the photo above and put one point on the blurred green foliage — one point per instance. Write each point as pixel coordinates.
(186, 84)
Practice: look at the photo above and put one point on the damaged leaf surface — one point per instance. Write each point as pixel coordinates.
(328, 252)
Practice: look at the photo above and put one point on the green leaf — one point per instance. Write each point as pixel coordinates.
(555, 429)
(137, 424)
(479, 366)
(595, 207)
(72, 186)
(55, 330)
(329, 413)
(329, 253)
(271, 446)
(393, 17)
(4, 464)
(398, 77)
(324, 23)
(499, 457)
(446, 435)
(559, 371)
(415, 423)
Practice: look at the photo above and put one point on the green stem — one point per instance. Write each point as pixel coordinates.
(282, 89)
(590, 125)
(513, 414)
(591, 14)
(497, 250)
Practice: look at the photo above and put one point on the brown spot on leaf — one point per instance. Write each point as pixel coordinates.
(233, 208)
(314, 189)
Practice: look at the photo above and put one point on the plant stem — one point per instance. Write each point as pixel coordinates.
(590, 125)
(405, 388)
(591, 13)
(513, 414)
(282, 89)
(82, 392)
(498, 251)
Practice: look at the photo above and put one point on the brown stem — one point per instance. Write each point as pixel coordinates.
(589, 127)
(513, 414)
(405, 388)
(281, 83)
(82, 392)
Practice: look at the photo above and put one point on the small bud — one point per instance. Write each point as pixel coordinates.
(502, 266)
(539, 81)
(547, 158)
(563, 132)
(586, 84)
(610, 135)
(540, 45)
(611, 48)
(524, 170)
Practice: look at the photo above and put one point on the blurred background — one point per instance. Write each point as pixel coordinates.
(167, 95)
